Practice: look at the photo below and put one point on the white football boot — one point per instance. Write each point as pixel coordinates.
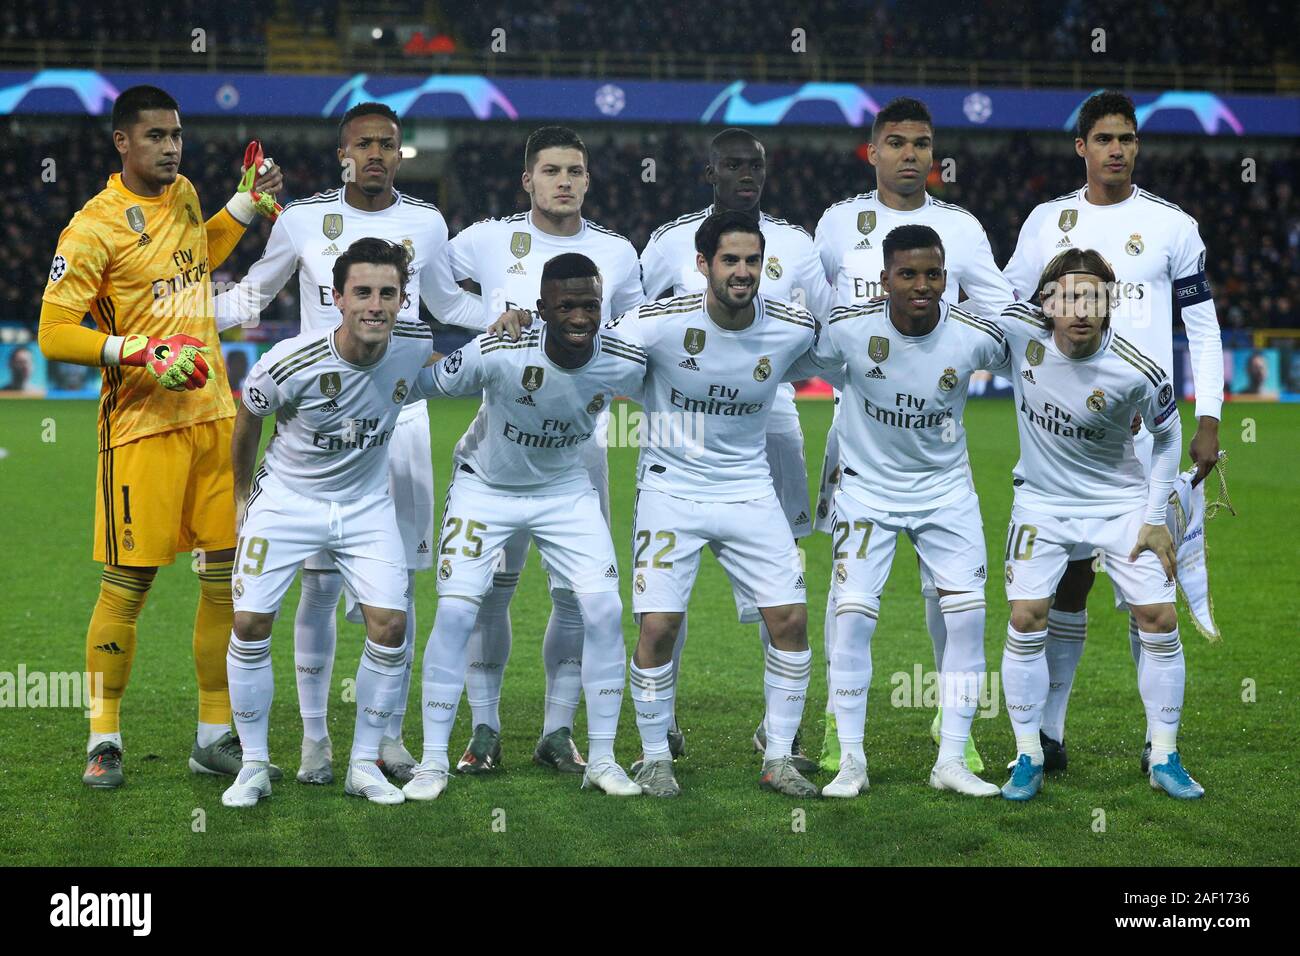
(850, 781)
(428, 783)
(365, 779)
(317, 764)
(953, 774)
(252, 784)
(605, 774)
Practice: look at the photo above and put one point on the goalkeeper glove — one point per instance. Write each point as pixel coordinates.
(176, 361)
(247, 201)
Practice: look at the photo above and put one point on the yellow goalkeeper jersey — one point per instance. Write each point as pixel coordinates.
(140, 264)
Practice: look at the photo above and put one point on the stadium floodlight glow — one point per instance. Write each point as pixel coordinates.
(377, 34)
(409, 152)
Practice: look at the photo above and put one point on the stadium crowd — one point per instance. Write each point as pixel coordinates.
(1251, 229)
(1200, 32)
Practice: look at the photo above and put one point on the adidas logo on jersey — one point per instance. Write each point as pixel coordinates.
(526, 400)
(517, 270)
(330, 406)
(611, 572)
(980, 572)
(144, 240)
(423, 547)
(110, 648)
(799, 585)
(864, 244)
(332, 250)
(876, 373)
(803, 516)
(690, 365)
(1029, 376)
(1065, 243)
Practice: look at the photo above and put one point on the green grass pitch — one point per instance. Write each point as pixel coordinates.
(1240, 713)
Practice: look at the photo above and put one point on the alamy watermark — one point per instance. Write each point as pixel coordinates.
(53, 689)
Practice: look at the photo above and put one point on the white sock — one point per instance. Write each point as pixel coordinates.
(379, 681)
(678, 646)
(408, 641)
(604, 669)
(209, 734)
(489, 650)
(562, 656)
(114, 738)
(252, 687)
(851, 674)
(828, 646)
(652, 698)
(961, 669)
(1066, 631)
(443, 675)
(765, 636)
(1024, 684)
(314, 638)
(1135, 647)
(936, 624)
(785, 683)
(1162, 681)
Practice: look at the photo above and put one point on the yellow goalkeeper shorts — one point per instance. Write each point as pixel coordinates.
(164, 494)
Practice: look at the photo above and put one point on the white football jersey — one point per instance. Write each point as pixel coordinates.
(311, 234)
(1156, 251)
(708, 393)
(1075, 418)
(506, 257)
(902, 440)
(333, 419)
(791, 273)
(851, 232)
(537, 417)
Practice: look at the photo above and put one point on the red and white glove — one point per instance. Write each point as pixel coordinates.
(175, 361)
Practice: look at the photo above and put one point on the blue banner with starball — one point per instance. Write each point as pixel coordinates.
(465, 97)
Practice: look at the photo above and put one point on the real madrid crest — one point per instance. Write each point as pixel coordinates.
(1134, 245)
(332, 225)
(1034, 352)
(1096, 401)
(948, 380)
(532, 379)
(409, 246)
(841, 573)
(596, 403)
(237, 589)
(773, 269)
(694, 341)
(763, 370)
(128, 540)
(444, 569)
(520, 243)
(1069, 218)
(639, 584)
(135, 218)
(331, 383)
(399, 391)
(878, 348)
(866, 221)
(194, 220)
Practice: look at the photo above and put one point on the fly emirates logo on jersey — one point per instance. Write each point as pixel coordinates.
(1057, 421)
(555, 433)
(909, 411)
(722, 400)
(357, 433)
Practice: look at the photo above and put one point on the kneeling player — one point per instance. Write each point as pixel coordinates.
(1079, 482)
(520, 468)
(323, 487)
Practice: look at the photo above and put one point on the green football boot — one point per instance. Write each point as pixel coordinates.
(830, 759)
(483, 755)
(558, 751)
(104, 767)
(224, 756)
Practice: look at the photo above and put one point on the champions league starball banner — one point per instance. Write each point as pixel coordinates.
(467, 97)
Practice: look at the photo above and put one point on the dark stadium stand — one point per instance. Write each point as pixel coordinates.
(1252, 231)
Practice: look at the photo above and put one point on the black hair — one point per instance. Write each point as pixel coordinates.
(720, 224)
(551, 137)
(369, 109)
(570, 265)
(131, 102)
(733, 133)
(1099, 105)
(900, 110)
(904, 238)
(373, 251)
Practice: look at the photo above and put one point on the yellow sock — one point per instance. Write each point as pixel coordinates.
(110, 641)
(212, 625)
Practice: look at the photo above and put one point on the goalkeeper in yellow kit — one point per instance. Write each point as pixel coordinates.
(138, 257)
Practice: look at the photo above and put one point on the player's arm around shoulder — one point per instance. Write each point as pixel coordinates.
(462, 372)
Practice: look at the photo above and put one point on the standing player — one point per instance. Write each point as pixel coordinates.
(138, 257)
(737, 171)
(717, 357)
(1156, 251)
(1079, 484)
(505, 257)
(336, 395)
(849, 240)
(520, 469)
(308, 238)
(908, 361)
